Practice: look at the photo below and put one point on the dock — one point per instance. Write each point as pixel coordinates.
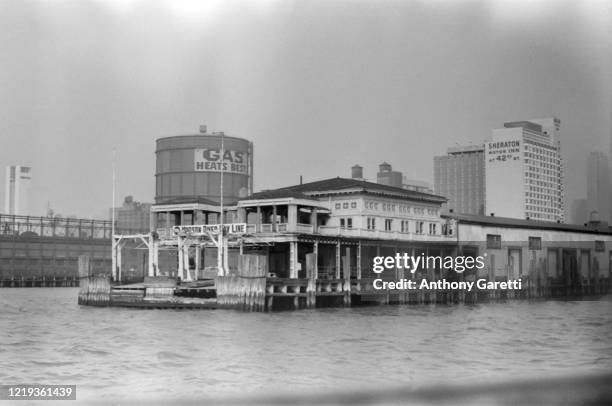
(251, 289)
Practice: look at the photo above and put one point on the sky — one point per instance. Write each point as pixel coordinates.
(318, 86)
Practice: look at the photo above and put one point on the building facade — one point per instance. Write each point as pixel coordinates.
(598, 186)
(49, 247)
(524, 171)
(460, 177)
(561, 258)
(133, 215)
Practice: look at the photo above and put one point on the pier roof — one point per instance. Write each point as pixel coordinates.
(276, 194)
(348, 185)
(601, 228)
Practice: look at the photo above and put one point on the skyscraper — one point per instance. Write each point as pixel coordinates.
(524, 171)
(17, 185)
(578, 213)
(598, 185)
(460, 177)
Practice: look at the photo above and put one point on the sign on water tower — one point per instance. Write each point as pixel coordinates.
(209, 160)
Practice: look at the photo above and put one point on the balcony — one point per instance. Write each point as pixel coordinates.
(300, 228)
(381, 234)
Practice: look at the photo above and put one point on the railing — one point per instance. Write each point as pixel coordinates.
(302, 228)
(381, 234)
(29, 226)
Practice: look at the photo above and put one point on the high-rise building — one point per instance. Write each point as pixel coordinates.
(578, 213)
(524, 171)
(598, 185)
(460, 177)
(132, 216)
(17, 185)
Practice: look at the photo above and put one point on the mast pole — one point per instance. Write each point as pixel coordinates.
(114, 253)
(221, 248)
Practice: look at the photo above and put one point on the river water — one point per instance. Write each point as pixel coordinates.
(114, 353)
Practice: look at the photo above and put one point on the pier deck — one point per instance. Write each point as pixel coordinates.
(287, 293)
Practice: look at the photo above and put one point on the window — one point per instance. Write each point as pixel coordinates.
(419, 227)
(404, 226)
(600, 245)
(346, 222)
(433, 228)
(493, 241)
(371, 223)
(338, 206)
(345, 205)
(353, 205)
(388, 224)
(535, 243)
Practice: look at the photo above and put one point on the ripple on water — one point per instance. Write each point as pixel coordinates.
(112, 352)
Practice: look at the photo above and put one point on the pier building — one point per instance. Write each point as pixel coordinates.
(338, 220)
(44, 251)
(556, 258)
(316, 243)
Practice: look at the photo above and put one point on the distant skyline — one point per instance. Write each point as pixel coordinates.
(318, 86)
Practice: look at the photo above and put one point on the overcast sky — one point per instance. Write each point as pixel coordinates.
(318, 86)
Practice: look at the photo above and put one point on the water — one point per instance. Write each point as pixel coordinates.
(112, 353)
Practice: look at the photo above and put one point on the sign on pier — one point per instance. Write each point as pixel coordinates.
(232, 228)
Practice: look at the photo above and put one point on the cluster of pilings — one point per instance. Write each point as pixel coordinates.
(93, 290)
(247, 289)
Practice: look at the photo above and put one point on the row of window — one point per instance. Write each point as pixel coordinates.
(347, 222)
(544, 190)
(542, 209)
(535, 243)
(391, 207)
(345, 205)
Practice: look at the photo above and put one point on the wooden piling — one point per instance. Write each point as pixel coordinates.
(247, 290)
(93, 290)
(311, 274)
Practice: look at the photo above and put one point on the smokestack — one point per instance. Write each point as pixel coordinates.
(357, 172)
